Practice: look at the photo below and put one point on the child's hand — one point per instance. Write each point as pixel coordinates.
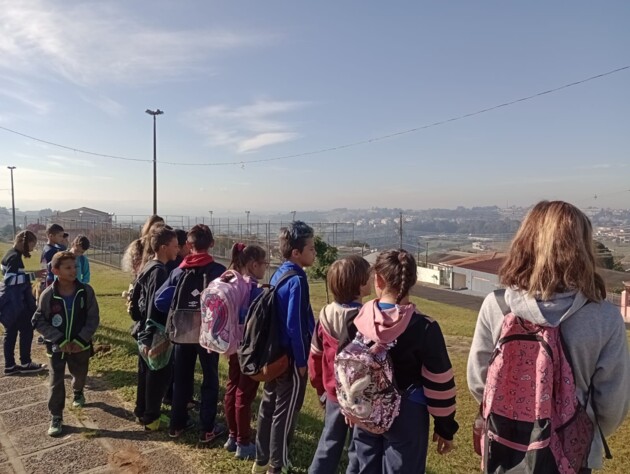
(72, 347)
(349, 422)
(444, 446)
(302, 371)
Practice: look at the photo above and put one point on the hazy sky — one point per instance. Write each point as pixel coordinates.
(249, 80)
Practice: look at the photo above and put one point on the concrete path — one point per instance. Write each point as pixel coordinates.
(445, 296)
(103, 437)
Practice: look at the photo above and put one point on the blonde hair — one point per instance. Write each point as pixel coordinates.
(553, 252)
(139, 251)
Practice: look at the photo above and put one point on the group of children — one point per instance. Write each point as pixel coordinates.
(551, 285)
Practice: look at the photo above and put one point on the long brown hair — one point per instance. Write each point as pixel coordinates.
(553, 252)
(22, 239)
(243, 255)
(399, 270)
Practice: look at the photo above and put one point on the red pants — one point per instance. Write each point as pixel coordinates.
(240, 392)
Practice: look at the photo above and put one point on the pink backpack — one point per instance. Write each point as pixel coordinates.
(221, 304)
(366, 391)
(533, 421)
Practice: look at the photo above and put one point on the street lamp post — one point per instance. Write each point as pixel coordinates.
(210, 218)
(11, 168)
(154, 113)
(293, 216)
(247, 212)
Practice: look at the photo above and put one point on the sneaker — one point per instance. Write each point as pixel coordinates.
(207, 437)
(230, 444)
(258, 469)
(13, 370)
(32, 368)
(176, 433)
(157, 425)
(79, 400)
(55, 426)
(245, 451)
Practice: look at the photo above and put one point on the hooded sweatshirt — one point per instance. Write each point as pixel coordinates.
(595, 338)
(419, 357)
(333, 318)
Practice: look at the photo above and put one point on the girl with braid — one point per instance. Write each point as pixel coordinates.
(422, 371)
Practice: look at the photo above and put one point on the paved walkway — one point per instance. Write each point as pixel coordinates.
(103, 437)
(445, 296)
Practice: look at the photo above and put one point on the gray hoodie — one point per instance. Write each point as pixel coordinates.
(595, 337)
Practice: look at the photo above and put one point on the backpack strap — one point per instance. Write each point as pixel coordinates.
(286, 276)
(500, 297)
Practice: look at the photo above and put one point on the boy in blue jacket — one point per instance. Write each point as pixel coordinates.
(283, 397)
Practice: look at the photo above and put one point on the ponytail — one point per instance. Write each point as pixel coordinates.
(22, 240)
(243, 254)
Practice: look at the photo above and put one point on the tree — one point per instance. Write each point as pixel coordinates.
(603, 255)
(326, 255)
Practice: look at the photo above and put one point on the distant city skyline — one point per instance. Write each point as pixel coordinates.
(285, 79)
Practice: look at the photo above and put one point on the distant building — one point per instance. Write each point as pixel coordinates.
(85, 214)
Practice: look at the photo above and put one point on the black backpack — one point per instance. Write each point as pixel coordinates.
(260, 355)
(184, 316)
(136, 300)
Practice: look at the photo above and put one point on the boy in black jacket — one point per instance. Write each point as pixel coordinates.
(152, 384)
(67, 317)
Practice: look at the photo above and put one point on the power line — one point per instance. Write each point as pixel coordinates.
(242, 163)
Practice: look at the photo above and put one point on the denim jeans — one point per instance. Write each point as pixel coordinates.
(331, 442)
(401, 450)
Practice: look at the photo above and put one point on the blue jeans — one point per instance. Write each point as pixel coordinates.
(24, 327)
(185, 359)
(331, 441)
(401, 450)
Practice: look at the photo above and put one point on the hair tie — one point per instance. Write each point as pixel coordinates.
(240, 246)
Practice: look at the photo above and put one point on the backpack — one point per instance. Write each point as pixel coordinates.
(184, 317)
(221, 303)
(532, 418)
(260, 355)
(136, 301)
(366, 390)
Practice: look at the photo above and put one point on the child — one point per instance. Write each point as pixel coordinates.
(152, 384)
(200, 240)
(248, 260)
(67, 316)
(132, 260)
(56, 237)
(421, 367)
(551, 280)
(348, 280)
(283, 397)
(79, 246)
(182, 238)
(18, 305)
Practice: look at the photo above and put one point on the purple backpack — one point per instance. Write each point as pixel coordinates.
(221, 304)
(366, 390)
(532, 418)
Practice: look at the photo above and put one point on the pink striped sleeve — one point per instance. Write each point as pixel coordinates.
(437, 378)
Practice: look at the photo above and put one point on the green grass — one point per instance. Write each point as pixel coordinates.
(117, 368)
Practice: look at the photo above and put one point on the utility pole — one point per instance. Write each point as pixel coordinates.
(154, 113)
(426, 256)
(210, 219)
(11, 168)
(248, 232)
(400, 230)
(293, 216)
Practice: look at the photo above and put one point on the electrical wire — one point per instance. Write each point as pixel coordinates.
(242, 163)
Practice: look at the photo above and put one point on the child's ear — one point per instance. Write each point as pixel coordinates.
(295, 253)
(379, 282)
(55, 271)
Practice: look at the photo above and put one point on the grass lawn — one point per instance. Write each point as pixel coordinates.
(118, 368)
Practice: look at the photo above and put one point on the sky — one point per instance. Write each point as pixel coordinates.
(250, 80)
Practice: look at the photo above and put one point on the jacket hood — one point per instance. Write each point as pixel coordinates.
(551, 312)
(333, 317)
(196, 260)
(383, 325)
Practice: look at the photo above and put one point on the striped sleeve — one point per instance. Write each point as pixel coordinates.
(438, 382)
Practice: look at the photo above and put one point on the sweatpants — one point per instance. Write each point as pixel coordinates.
(152, 385)
(331, 441)
(78, 364)
(281, 401)
(401, 450)
(240, 392)
(184, 360)
(23, 326)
